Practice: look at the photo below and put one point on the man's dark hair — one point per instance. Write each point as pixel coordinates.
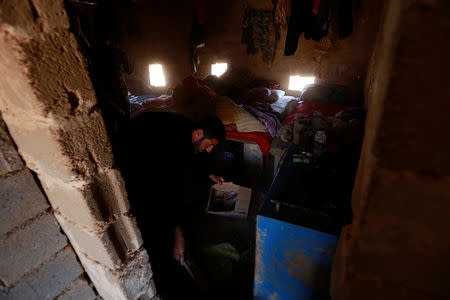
(212, 128)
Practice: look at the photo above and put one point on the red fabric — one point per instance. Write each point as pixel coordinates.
(326, 108)
(194, 98)
(195, 87)
(201, 14)
(157, 102)
(274, 85)
(263, 139)
(316, 7)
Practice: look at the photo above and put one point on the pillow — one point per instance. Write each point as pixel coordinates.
(274, 96)
(245, 122)
(257, 94)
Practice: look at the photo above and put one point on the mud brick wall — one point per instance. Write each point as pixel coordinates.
(36, 260)
(398, 245)
(49, 106)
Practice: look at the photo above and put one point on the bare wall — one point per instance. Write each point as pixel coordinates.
(158, 31)
(397, 246)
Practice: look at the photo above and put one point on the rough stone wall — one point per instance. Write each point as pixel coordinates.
(397, 246)
(49, 106)
(36, 260)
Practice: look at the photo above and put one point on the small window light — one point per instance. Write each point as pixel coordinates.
(156, 75)
(297, 82)
(218, 69)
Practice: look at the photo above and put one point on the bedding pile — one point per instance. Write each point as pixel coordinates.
(257, 110)
(343, 127)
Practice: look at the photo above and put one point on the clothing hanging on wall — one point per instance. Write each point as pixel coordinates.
(345, 18)
(280, 16)
(258, 32)
(310, 17)
(198, 37)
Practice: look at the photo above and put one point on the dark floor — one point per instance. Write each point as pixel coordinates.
(220, 251)
(223, 247)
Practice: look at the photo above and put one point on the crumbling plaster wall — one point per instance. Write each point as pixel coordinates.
(36, 260)
(158, 32)
(49, 106)
(398, 246)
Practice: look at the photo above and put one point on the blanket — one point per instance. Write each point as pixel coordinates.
(266, 115)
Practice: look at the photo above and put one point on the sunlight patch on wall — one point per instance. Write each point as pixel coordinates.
(297, 82)
(218, 69)
(156, 75)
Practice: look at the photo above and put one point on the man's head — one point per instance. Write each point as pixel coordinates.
(207, 134)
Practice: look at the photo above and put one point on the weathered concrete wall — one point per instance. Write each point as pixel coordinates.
(397, 247)
(49, 106)
(36, 260)
(158, 31)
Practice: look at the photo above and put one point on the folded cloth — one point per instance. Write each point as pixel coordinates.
(266, 115)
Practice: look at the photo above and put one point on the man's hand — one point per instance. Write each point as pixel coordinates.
(178, 247)
(216, 179)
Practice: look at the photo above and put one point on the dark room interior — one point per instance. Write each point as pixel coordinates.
(257, 149)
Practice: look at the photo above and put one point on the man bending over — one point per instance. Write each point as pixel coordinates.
(161, 156)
